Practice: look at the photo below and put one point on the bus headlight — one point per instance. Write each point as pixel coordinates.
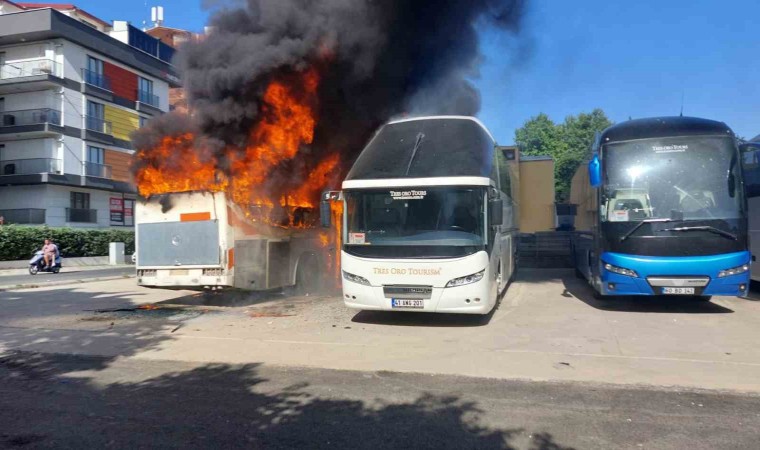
(621, 270)
(355, 278)
(733, 271)
(469, 279)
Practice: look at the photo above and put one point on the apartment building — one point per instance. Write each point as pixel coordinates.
(72, 90)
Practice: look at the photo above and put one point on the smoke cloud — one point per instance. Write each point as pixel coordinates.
(376, 59)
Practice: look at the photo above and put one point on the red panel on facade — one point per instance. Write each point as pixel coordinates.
(123, 82)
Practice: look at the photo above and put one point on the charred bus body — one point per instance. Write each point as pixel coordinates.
(670, 211)
(429, 224)
(201, 240)
(751, 169)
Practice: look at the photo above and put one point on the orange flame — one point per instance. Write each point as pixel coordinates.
(288, 117)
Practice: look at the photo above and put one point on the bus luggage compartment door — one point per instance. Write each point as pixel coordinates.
(178, 244)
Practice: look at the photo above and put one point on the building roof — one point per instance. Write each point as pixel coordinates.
(536, 158)
(755, 139)
(63, 7)
(655, 127)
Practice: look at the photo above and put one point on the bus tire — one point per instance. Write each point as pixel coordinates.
(308, 278)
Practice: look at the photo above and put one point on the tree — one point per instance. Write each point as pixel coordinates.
(568, 143)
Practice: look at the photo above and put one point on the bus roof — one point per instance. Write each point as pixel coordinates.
(424, 147)
(657, 127)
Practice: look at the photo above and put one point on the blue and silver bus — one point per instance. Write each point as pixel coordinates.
(670, 211)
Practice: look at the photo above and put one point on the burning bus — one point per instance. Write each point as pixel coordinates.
(201, 240)
(429, 222)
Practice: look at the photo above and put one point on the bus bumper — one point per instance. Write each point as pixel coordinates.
(471, 299)
(674, 269)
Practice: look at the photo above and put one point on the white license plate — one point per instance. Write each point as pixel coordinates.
(179, 272)
(406, 303)
(677, 291)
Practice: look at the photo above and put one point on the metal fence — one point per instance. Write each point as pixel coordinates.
(97, 170)
(29, 166)
(96, 79)
(97, 124)
(147, 97)
(27, 216)
(30, 117)
(30, 68)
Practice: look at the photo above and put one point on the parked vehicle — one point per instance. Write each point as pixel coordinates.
(37, 264)
(669, 211)
(204, 241)
(751, 169)
(429, 221)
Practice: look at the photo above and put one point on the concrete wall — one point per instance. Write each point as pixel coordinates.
(583, 195)
(536, 196)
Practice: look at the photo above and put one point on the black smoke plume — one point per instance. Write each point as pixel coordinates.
(377, 59)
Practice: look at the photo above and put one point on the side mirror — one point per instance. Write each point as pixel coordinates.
(496, 212)
(325, 212)
(595, 171)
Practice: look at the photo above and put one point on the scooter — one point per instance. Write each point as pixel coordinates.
(37, 264)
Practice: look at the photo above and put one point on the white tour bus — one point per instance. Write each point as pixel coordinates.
(429, 223)
(751, 168)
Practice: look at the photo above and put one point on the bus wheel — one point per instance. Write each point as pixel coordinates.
(308, 278)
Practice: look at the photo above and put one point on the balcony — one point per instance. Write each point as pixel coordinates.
(98, 125)
(29, 166)
(21, 76)
(148, 98)
(23, 216)
(43, 122)
(97, 170)
(96, 79)
(76, 215)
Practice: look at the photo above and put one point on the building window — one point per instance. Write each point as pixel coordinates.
(96, 118)
(95, 155)
(143, 121)
(94, 75)
(145, 92)
(80, 200)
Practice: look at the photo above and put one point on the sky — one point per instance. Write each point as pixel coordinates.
(633, 59)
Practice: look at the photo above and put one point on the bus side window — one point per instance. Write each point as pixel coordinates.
(751, 169)
(504, 179)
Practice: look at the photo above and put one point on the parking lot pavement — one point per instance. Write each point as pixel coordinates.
(547, 327)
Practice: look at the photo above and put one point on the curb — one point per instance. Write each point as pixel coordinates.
(18, 287)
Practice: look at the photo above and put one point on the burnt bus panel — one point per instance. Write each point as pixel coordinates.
(279, 264)
(250, 264)
(178, 244)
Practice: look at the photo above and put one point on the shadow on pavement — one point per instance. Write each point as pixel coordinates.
(222, 406)
(422, 319)
(579, 289)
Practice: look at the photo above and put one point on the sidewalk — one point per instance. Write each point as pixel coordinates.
(69, 269)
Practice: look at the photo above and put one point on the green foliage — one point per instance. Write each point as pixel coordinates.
(569, 143)
(20, 242)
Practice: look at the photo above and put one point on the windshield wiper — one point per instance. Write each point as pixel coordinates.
(420, 137)
(725, 234)
(640, 224)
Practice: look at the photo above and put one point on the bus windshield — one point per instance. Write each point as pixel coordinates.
(424, 216)
(678, 178)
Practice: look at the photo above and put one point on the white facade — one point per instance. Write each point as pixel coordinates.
(46, 150)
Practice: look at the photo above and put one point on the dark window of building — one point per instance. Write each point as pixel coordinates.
(95, 155)
(95, 66)
(80, 200)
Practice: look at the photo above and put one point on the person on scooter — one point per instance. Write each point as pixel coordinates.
(49, 253)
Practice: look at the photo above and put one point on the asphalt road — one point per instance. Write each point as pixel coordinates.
(66, 274)
(67, 401)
